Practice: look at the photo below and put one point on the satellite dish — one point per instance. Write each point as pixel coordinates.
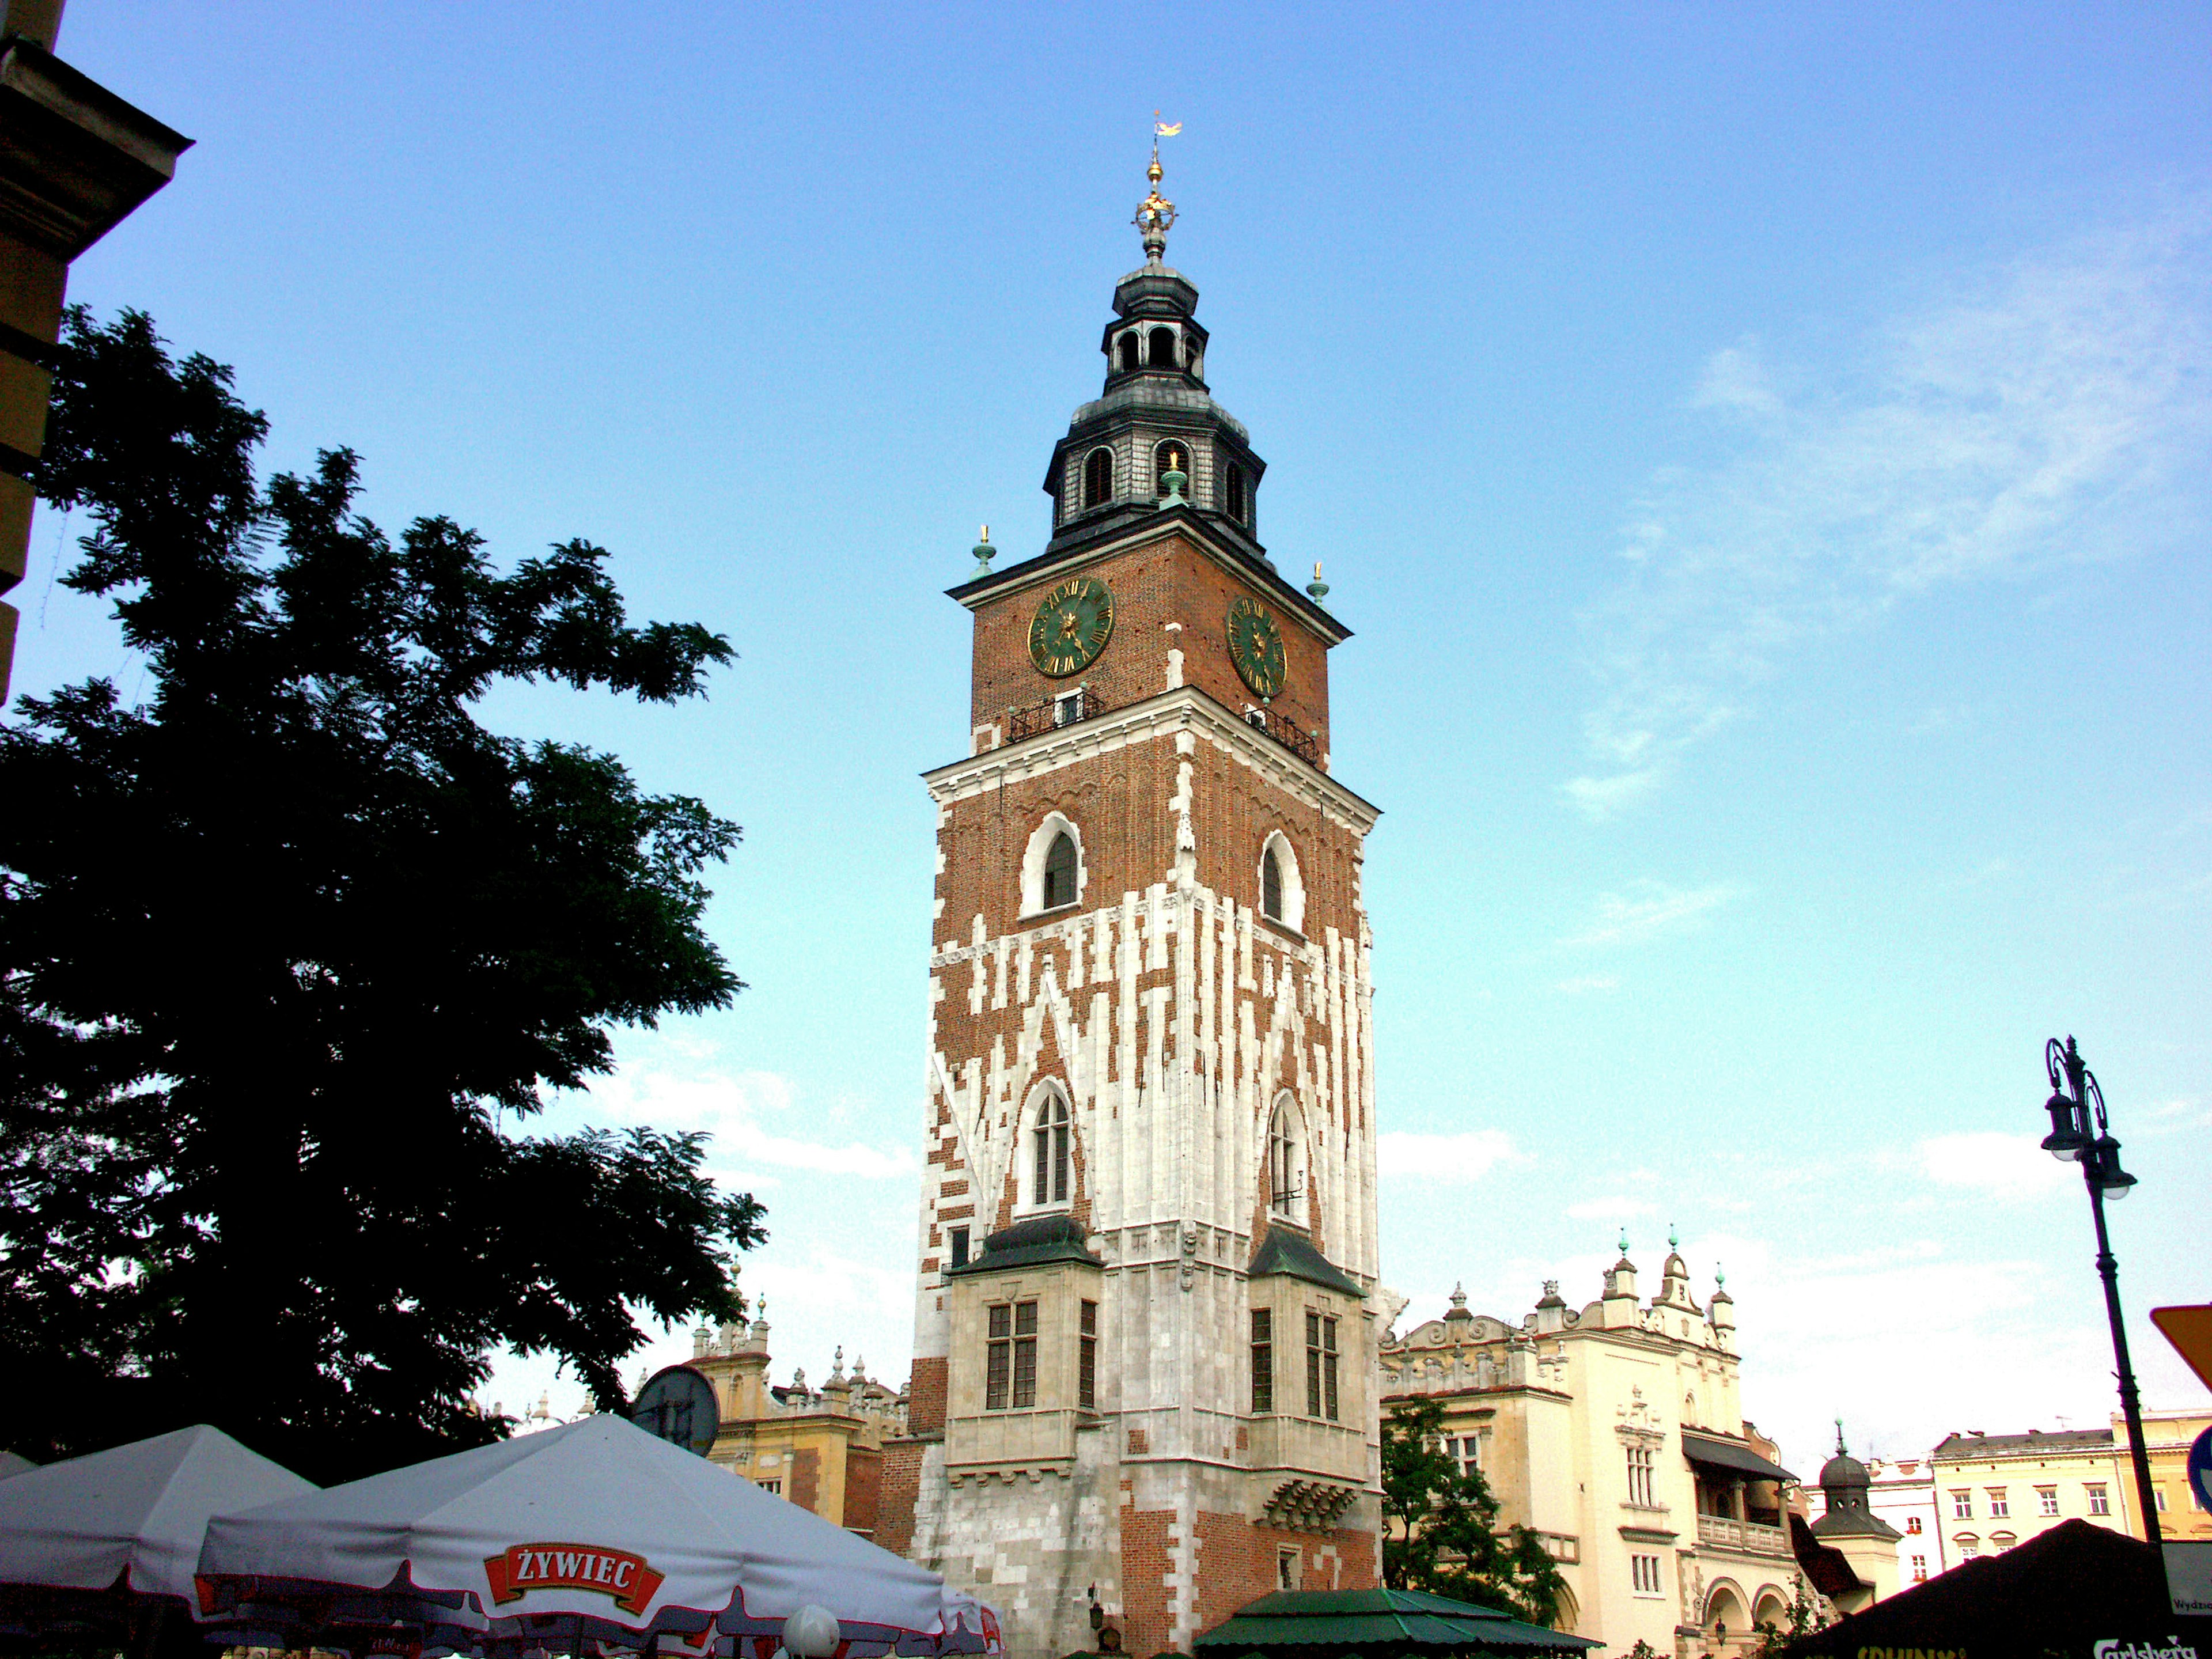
(678, 1406)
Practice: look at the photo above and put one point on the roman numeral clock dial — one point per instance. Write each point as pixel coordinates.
(1072, 626)
(1255, 647)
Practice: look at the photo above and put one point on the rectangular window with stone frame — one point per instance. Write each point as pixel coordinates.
(1640, 1463)
(1010, 1356)
(1086, 1358)
(1321, 1366)
(2100, 1502)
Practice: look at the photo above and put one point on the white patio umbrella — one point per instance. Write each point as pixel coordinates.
(90, 1540)
(596, 1531)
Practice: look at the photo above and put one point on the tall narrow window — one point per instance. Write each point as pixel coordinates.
(1329, 1367)
(1025, 1335)
(1129, 350)
(1639, 1476)
(1098, 477)
(1271, 886)
(1162, 353)
(998, 1357)
(959, 1242)
(1052, 1151)
(1232, 489)
(1059, 872)
(1285, 1191)
(1313, 1364)
(1263, 1361)
(1086, 1358)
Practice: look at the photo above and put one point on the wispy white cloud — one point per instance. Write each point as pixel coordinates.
(1991, 1162)
(1650, 908)
(2057, 409)
(740, 1110)
(1583, 984)
(1466, 1157)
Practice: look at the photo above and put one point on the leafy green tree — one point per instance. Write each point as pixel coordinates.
(1440, 1531)
(289, 952)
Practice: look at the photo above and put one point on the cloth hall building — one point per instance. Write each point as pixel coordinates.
(1144, 1331)
(1614, 1433)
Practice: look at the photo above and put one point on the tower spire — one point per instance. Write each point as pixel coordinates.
(1155, 214)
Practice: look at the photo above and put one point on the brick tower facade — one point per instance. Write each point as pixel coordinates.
(1145, 1334)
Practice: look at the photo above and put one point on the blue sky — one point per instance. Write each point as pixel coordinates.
(1763, 458)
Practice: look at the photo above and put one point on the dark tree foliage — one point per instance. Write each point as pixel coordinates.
(1440, 1529)
(286, 952)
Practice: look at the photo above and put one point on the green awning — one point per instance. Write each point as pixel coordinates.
(1294, 1624)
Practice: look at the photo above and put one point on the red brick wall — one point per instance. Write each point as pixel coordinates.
(1237, 1563)
(805, 1477)
(1148, 1540)
(864, 1471)
(1160, 582)
(899, 1486)
(1119, 804)
(925, 1409)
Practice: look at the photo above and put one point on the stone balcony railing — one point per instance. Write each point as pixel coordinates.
(1721, 1532)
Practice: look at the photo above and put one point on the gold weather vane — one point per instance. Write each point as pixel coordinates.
(1155, 214)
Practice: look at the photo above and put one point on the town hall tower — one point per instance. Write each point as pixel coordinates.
(1144, 1315)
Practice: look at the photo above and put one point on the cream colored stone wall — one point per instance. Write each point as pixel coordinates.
(1557, 1401)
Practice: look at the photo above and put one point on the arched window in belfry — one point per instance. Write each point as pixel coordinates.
(1161, 350)
(1129, 351)
(1098, 477)
(1271, 886)
(1052, 1151)
(1169, 457)
(1060, 866)
(1235, 502)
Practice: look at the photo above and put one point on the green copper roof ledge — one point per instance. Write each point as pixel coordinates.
(1287, 1250)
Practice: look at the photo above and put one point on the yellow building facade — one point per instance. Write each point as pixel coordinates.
(1614, 1433)
(2181, 1517)
(821, 1449)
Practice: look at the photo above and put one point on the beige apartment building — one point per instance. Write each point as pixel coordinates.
(1996, 1490)
(1614, 1433)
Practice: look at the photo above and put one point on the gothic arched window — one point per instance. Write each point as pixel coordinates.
(1060, 866)
(1282, 889)
(1129, 350)
(1285, 1169)
(1169, 457)
(1052, 1151)
(1098, 477)
(1160, 351)
(1236, 502)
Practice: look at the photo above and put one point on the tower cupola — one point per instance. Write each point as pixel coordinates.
(1155, 416)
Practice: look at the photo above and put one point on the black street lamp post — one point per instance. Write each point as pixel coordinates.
(2079, 1134)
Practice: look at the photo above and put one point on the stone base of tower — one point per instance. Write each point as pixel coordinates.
(1171, 1548)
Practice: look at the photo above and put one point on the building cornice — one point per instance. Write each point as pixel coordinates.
(1194, 526)
(1182, 708)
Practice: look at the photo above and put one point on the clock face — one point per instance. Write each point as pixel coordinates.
(1256, 646)
(1072, 626)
